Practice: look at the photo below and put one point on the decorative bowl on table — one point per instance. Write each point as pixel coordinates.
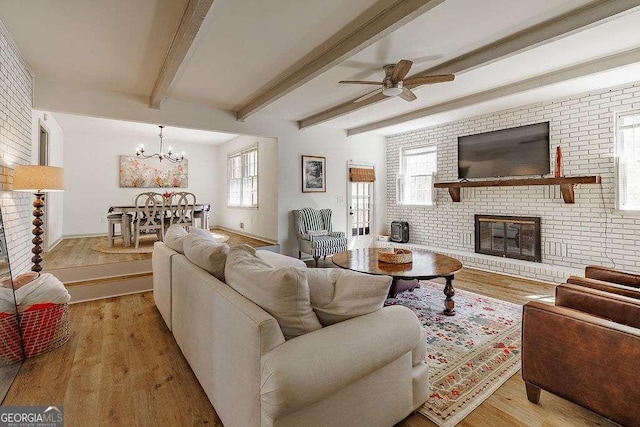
(398, 256)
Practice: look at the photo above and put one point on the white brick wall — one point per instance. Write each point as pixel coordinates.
(16, 100)
(573, 235)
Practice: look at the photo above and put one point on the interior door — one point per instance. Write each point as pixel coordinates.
(43, 160)
(360, 214)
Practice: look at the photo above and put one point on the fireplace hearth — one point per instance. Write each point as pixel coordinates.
(516, 237)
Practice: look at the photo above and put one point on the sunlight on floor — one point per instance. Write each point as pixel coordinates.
(543, 298)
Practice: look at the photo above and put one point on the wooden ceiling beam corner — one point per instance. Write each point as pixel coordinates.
(378, 21)
(556, 28)
(580, 70)
(191, 22)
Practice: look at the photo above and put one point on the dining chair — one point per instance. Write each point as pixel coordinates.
(203, 216)
(124, 222)
(182, 209)
(150, 211)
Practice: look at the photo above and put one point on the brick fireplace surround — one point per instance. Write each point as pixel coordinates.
(573, 235)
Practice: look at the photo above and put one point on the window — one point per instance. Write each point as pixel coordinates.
(417, 170)
(243, 178)
(628, 161)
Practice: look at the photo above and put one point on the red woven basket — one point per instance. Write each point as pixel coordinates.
(10, 349)
(44, 327)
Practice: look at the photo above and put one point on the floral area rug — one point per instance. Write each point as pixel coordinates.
(470, 354)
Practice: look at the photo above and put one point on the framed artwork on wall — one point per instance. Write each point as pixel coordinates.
(314, 174)
(151, 173)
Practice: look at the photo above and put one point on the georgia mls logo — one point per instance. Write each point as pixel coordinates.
(52, 415)
(31, 416)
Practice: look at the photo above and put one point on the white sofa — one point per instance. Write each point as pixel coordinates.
(366, 371)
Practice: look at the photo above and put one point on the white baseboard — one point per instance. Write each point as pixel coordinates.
(54, 244)
(81, 236)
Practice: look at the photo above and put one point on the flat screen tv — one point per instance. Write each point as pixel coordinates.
(519, 151)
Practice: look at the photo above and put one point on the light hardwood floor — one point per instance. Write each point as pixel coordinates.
(123, 367)
(77, 252)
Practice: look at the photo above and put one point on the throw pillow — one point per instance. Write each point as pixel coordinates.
(173, 237)
(201, 232)
(206, 254)
(338, 295)
(281, 292)
(318, 233)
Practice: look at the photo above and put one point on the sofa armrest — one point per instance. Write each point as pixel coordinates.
(585, 359)
(336, 234)
(613, 288)
(313, 366)
(617, 308)
(610, 275)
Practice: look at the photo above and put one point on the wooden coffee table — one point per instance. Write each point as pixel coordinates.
(425, 266)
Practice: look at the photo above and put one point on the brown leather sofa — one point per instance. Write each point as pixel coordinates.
(586, 347)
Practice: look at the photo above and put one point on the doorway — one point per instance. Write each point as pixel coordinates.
(361, 208)
(43, 160)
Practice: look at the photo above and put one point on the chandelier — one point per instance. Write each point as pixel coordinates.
(173, 158)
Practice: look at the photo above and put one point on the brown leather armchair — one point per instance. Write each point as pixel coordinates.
(610, 275)
(586, 348)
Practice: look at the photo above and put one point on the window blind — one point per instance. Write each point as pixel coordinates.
(362, 174)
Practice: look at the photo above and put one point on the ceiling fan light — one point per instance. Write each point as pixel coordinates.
(392, 91)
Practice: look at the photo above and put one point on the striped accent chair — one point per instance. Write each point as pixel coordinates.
(315, 236)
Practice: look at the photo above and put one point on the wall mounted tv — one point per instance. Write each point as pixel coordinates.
(519, 151)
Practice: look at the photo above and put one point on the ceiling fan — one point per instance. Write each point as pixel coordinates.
(394, 83)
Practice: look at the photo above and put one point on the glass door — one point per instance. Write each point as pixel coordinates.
(360, 214)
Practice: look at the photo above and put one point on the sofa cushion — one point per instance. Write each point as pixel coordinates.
(173, 237)
(338, 295)
(206, 254)
(202, 233)
(278, 260)
(281, 292)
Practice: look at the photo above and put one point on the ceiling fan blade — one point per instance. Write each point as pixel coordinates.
(400, 70)
(425, 80)
(369, 95)
(407, 95)
(360, 82)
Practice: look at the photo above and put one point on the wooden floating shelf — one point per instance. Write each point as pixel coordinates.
(567, 185)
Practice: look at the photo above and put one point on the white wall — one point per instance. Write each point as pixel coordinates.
(292, 142)
(16, 95)
(573, 235)
(92, 180)
(261, 222)
(53, 201)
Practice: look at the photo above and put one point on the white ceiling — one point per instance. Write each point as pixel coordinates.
(140, 133)
(252, 41)
(119, 45)
(609, 38)
(431, 36)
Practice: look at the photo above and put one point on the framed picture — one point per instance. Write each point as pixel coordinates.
(314, 174)
(151, 173)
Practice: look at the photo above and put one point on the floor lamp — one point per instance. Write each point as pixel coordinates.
(38, 180)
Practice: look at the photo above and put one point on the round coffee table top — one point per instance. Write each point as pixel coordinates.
(424, 265)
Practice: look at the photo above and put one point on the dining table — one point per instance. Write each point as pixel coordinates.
(200, 211)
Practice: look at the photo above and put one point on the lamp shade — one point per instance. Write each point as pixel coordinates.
(38, 179)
